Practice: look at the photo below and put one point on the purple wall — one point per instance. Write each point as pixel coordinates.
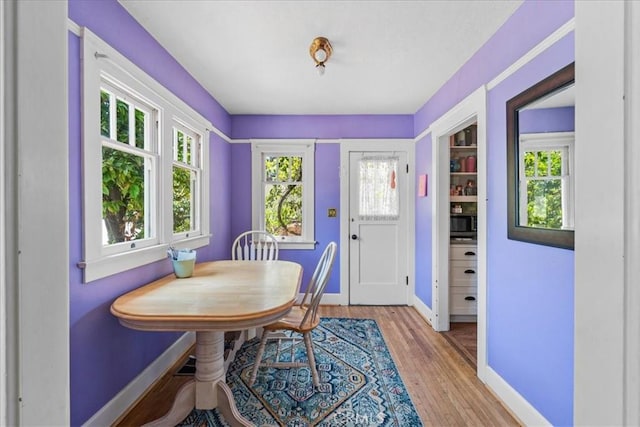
(547, 120)
(327, 126)
(529, 304)
(106, 356)
(529, 307)
(423, 223)
(327, 170)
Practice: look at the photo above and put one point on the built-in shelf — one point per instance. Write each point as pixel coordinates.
(464, 198)
(464, 173)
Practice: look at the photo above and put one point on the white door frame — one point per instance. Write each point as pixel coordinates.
(347, 146)
(471, 109)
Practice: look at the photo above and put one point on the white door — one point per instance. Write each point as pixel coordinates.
(378, 228)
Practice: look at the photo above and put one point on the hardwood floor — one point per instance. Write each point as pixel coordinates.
(463, 337)
(442, 384)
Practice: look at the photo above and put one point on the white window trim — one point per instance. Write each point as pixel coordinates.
(547, 141)
(305, 148)
(101, 61)
(199, 210)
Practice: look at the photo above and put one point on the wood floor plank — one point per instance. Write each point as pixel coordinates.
(442, 385)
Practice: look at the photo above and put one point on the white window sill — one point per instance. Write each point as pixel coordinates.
(113, 264)
(297, 245)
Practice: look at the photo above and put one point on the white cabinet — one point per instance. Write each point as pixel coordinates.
(463, 281)
(463, 254)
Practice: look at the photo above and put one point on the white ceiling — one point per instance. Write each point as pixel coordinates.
(389, 57)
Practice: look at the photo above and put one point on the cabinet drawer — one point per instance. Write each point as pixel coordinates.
(463, 300)
(463, 271)
(463, 252)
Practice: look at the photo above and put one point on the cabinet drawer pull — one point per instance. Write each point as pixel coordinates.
(469, 272)
(469, 253)
(470, 298)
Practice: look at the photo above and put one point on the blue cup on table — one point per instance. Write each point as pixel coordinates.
(184, 261)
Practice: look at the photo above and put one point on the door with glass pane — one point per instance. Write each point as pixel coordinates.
(377, 228)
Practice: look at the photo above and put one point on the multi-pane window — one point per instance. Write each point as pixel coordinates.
(129, 158)
(546, 182)
(145, 166)
(283, 191)
(187, 176)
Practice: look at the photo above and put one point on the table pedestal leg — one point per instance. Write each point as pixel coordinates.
(208, 390)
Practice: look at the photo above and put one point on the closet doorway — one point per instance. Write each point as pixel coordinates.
(453, 265)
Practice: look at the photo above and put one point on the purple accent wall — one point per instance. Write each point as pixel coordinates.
(362, 126)
(424, 210)
(547, 120)
(106, 356)
(529, 303)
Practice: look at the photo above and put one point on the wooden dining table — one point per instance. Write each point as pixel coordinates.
(220, 296)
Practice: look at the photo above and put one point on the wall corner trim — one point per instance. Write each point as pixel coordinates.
(549, 41)
(423, 310)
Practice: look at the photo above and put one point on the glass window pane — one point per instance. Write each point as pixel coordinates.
(544, 203)
(123, 194)
(180, 148)
(543, 162)
(105, 123)
(556, 163)
(270, 168)
(283, 169)
(122, 121)
(283, 209)
(183, 202)
(296, 169)
(378, 189)
(141, 118)
(529, 164)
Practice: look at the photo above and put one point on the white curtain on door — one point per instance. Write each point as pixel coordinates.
(378, 188)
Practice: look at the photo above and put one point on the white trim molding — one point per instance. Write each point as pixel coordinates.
(122, 401)
(519, 407)
(549, 41)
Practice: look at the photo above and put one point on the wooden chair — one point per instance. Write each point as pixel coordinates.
(255, 245)
(302, 319)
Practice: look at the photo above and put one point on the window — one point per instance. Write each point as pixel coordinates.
(187, 180)
(144, 166)
(129, 159)
(546, 180)
(378, 192)
(283, 199)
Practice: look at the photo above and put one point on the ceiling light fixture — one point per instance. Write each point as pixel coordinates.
(320, 51)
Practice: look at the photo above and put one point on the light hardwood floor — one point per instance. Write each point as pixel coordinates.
(442, 385)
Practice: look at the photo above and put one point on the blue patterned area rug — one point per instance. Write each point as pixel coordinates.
(360, 385)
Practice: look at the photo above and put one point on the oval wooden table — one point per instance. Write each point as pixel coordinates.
(220, 296)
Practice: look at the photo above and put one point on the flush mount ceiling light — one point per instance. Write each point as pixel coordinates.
(320, 51)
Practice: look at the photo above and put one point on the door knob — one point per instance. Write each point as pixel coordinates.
(354, 237)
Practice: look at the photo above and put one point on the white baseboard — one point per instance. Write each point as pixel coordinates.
(423, 310)
(328, 299)
(525, 413)
(110, 412)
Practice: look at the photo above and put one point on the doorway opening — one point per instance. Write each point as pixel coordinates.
(459, 219)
